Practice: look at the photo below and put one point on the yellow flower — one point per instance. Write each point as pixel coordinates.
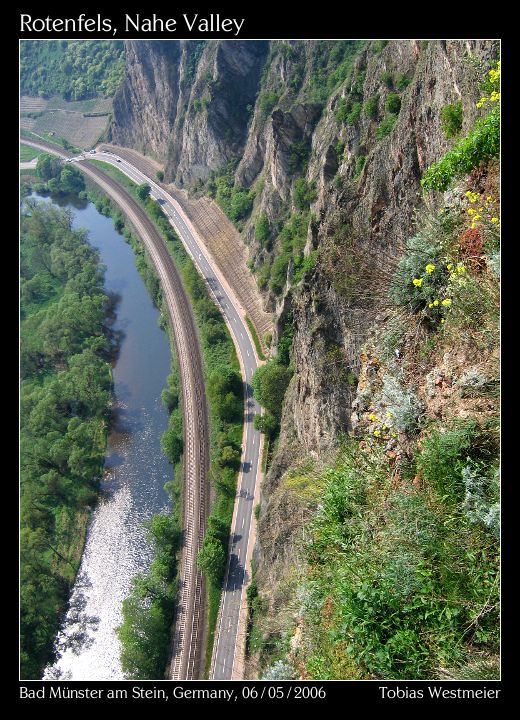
(494, 220)
(377, 433)
(442, 321)
(430, 305)
(494, 75)
(495, 96)
(461, 269)
(435, 302)
(394, 434)
(471, 211)
(389, 414)
(472, 196)
(489, 198)
(372, 417)
(430, 268)
(417, 282)
(449, 266)
(446, 302)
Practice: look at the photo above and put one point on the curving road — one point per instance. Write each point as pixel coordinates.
(230, 631)
(229, 642)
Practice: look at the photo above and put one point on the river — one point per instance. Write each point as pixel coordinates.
(132, 490)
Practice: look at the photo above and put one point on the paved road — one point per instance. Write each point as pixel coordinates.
(226, 633)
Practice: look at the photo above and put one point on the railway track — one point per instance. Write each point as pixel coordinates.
(189, 620)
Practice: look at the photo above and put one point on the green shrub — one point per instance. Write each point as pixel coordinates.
(393, 103)
(482, 143)
(444, 454)
(360, 164)
(379, 45)
(342, 110)
(304, 265)
(262, 230)
(451, 119)
(396, 580)
(402, 81)
(403, 404)
(267, 102)
(299, 157)
(388, 80)
(354, 114)
(481, 500)
(304, 193)
(266, 424)
(279, 272)
(386, 126)
(370, 106)
(339, 149)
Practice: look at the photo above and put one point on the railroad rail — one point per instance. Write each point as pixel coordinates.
(190, 608)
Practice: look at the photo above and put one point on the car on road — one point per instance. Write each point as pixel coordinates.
(118, 160)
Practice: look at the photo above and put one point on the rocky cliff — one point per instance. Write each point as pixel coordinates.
(186, 102)
(330, 140)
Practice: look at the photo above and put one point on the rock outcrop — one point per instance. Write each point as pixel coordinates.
(186, 102)
(361, 144)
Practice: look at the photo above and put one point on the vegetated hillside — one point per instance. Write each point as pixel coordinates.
(65, 394)
(375, 556)
(73, 69)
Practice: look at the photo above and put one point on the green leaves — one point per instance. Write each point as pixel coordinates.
(64, 402)
(270, 382)
(482, 143)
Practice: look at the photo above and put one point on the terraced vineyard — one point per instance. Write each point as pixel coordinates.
(81, 123)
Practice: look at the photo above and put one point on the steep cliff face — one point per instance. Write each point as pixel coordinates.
(186, 102)
(364, 209)
(331, 139)
(145, 108)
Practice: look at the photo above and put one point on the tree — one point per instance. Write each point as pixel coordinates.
(143, 191)
(269, 384)
(229, 457)
(172, 441)
(262, 230)
(211, 559)
(265, 423)
(48, 166)
(225, 390)
(71, 180)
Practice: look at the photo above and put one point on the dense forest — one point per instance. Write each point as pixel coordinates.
(75, 70)
(65, 392)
